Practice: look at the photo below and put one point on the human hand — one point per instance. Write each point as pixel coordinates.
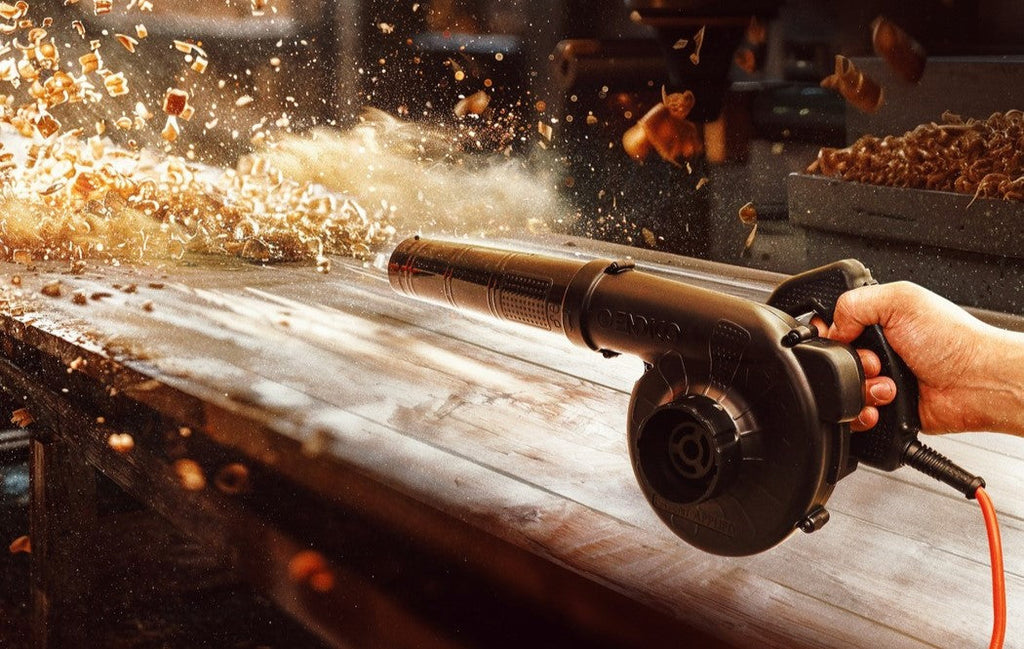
(966, 380)
(878, 390)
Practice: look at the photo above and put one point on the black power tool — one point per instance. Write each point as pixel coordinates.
(739, 427)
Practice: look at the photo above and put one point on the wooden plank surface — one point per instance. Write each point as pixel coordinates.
(519, 435)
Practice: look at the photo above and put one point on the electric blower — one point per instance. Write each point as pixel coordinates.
(739, 427)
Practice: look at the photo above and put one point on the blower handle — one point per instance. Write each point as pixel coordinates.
(886, 445)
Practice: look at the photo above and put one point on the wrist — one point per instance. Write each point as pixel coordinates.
(999, 376)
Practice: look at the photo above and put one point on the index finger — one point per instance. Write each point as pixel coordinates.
(860, 308)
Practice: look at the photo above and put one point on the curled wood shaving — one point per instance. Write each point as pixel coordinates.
(748, 214)
(698, 42)
(858, 89)
(22, 544)
(22, 417)
(903, 54)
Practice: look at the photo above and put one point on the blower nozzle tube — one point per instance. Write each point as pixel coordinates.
(505, 285)
(584, 300)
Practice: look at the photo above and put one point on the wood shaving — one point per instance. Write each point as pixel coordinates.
(121, 442)
(474, 104)
(232, 479)
(142, 112)
(698, 42)
(664, 129)
(52, 289)
(749, 242)
(89, 62)
(310, 568)
(13, 12)
(116, 84)
(171, 129)
(127, 42)
(175, 101)
(858, 89)
(903, 54)
(649, 238)
(746, 60)
(757, 32)
(22, 417)
(679, 104)
(190, 475)
(747, 214)
(22, 544)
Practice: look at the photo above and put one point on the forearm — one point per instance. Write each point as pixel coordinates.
(999, 406)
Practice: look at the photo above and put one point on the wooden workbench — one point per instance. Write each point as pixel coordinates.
(394, 474)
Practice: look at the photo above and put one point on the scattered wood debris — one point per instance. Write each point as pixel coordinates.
(309, 567)
(232, 479)
(698, 42)
(21, 545)
(904, 55)
(121, 442)
(859, 90)
(190, 475)
(22, 418)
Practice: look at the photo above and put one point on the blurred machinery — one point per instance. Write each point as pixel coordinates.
(565, 80)
(754, 69)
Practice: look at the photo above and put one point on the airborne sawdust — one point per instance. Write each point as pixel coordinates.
(68, 194)
(64, 195)
(68, 204)
(422, 177)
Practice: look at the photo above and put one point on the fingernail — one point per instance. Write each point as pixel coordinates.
(882, 391)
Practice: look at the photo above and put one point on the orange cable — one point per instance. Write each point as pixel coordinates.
(995, 546)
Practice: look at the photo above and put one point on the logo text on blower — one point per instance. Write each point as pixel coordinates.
(639, 326)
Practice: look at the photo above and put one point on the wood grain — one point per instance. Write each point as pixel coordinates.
(520, 436)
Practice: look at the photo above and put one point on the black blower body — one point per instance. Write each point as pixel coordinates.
(738, 429)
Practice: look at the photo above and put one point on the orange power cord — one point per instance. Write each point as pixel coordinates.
(995, 546)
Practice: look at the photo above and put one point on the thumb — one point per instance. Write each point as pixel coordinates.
(860, 308)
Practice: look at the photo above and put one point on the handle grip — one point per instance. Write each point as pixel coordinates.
(817, 291)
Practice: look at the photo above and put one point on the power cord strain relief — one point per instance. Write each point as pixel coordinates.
(938, 466)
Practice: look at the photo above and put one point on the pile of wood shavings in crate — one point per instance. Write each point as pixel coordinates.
(72, 199)
(984, 158)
